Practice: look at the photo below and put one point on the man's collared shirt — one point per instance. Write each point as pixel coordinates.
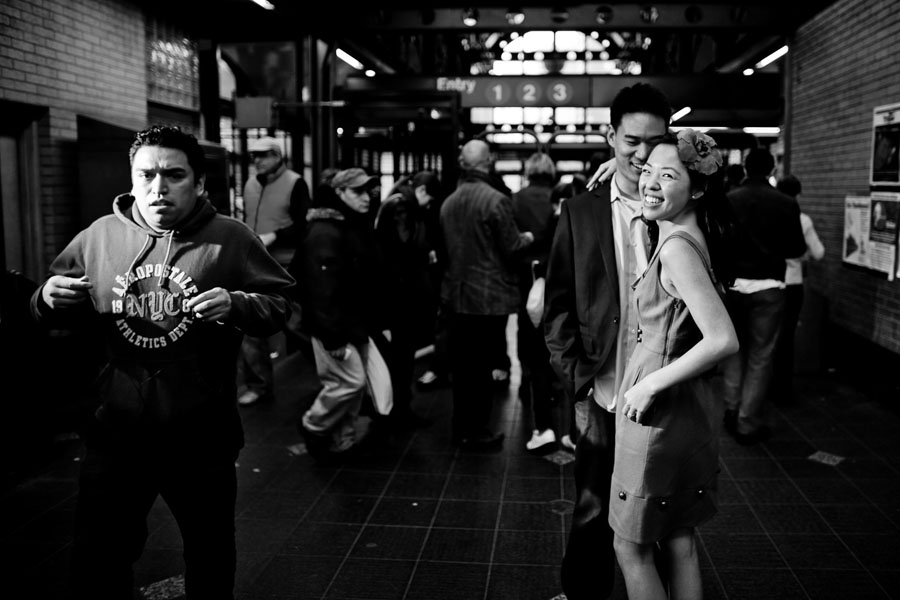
(632, 246)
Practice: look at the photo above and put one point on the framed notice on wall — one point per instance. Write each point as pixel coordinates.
(885, 168)
(870, 231)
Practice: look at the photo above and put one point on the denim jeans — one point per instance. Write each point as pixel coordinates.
(747, 375)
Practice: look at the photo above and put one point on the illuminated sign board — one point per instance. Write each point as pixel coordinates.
(517, 91)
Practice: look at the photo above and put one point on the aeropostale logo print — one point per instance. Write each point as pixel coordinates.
(153, 315)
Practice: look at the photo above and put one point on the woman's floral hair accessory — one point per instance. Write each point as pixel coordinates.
(698, 151)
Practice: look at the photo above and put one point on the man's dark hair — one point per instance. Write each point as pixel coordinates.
(790, 185)
(171, 137)
(639, 98)
(759, 163)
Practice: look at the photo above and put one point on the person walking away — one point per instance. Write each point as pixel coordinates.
(275, 203)
(340, 283)
(533, 211)
(170, 286)
(768, 232)
(783, 377)
(599, 248)
(479, 288)
(668, 414)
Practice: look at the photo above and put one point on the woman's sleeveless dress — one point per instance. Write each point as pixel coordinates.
(665, 470)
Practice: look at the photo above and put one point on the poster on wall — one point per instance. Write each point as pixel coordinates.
(870, 233)
(886, 145)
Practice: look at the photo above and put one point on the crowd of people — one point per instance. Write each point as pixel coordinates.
(631, 296)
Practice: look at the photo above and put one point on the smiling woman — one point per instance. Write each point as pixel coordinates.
(666, 455)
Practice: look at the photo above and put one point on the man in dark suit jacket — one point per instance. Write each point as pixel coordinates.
(600, 246)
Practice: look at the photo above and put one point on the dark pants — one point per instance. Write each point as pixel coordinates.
(118, 486)
(538, 377)
(472, 357)
(747, 375)
(783, 377)
(401, 359)
(588, 567)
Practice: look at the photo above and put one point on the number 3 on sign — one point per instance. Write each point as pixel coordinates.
(559, 92)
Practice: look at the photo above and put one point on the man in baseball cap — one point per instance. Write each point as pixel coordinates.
(354, 178)
(264, 145)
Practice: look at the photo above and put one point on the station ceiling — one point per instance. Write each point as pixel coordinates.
(707, 42)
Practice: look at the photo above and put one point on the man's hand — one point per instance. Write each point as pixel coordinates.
(211, 305)
(604, 172)
(342, 353)
(65, 292)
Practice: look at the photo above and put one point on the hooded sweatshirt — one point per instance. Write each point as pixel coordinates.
(167, 372)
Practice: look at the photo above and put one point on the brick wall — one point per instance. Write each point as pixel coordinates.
(844, 62)
(71, 57)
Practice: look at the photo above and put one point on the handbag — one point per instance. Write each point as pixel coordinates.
(534, 304)
(378, 380)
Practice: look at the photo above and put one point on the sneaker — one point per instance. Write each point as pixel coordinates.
(500, 376)
(567, 442)
(540, 439)
(430, 380)
(251, 397)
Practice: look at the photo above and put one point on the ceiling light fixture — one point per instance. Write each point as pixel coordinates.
(772, 57)
(515, 16)
(680, 113)
(470, 17)
(762, 130)
(265, 4)
(349, 59)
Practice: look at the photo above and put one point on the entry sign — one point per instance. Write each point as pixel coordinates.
(518, 91)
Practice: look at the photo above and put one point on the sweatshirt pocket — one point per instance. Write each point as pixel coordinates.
(129, 393)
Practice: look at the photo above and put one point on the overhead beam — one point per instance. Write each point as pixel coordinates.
(615, 16)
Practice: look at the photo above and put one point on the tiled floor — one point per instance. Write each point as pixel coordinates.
(417, 519)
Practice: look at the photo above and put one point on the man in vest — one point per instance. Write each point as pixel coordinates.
(275, 203)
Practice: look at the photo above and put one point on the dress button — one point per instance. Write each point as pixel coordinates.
(663, 504)
(621, 495)
(700, 491)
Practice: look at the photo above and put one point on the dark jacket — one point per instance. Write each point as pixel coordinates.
(581, 298)
(403, 239)
(768, 230)
(167, 372)
(534, 212)
(340, 277)
(481, 241)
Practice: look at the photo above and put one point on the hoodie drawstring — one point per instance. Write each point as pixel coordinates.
(162, 272)
(136, 258)
(143, 250)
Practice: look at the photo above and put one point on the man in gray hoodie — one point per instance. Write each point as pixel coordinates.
(171, 287)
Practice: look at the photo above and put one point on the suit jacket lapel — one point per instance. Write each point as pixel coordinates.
(603, 227)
